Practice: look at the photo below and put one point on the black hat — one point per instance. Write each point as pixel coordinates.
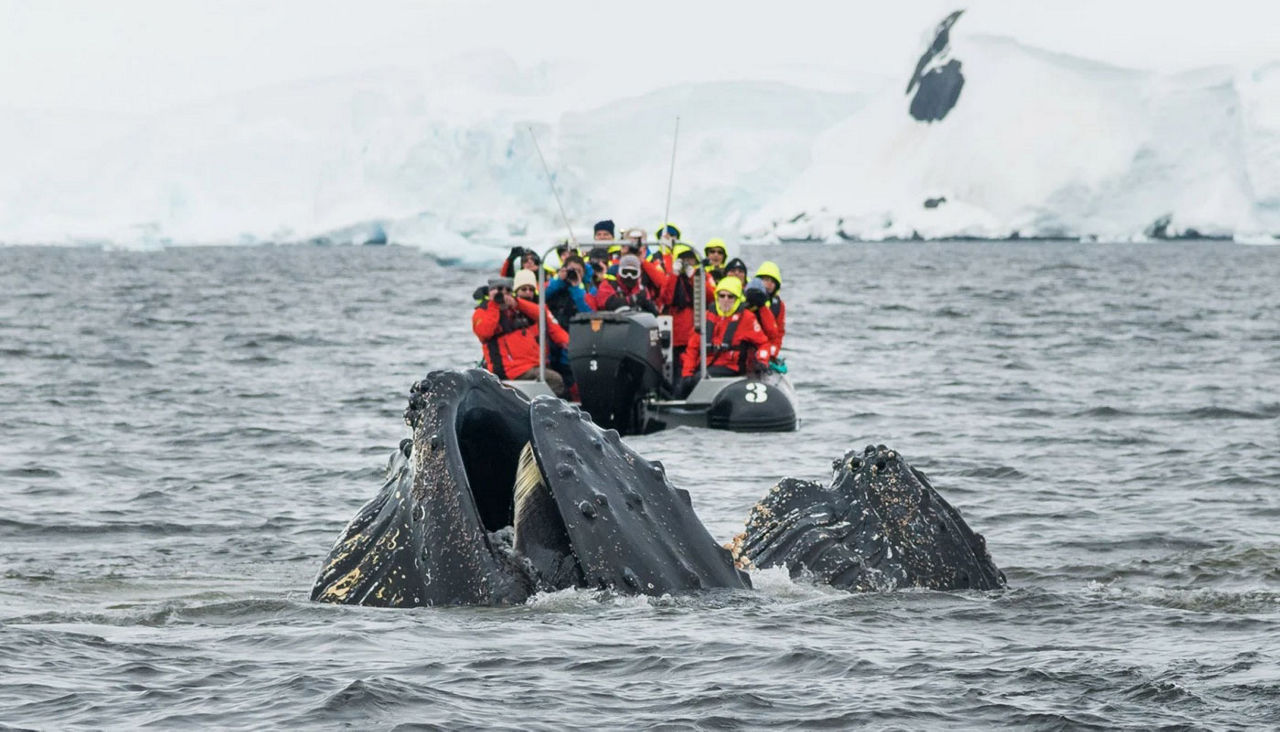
(606, 225)
(598, 253)
(736, 263)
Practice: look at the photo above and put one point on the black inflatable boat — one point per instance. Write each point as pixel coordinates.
(622, 363)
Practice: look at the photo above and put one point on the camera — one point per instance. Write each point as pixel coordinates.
(499, 297)
(572, 276)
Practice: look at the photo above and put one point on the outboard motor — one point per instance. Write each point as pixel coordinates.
(617, 361)
(752, 405)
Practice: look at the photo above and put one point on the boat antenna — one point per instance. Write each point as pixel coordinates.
(700, 313)
(666, 215)
(551, 182)
(543, 353)
(573, 242)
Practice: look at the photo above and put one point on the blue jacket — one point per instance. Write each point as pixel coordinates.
(576, 292)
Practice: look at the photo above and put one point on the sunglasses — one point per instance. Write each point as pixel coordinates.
(726, 296)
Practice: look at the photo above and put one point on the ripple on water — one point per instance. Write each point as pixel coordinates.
(1104, 415)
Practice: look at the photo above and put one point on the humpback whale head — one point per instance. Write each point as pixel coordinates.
(497, 498)
(878, 525)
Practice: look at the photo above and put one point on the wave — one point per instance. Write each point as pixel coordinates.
(53, 529)
(1266, 412)
(1261, 412)
(1260, 603)
(170, 612)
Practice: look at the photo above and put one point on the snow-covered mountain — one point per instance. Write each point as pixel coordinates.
(961, 135)
(1034, 143)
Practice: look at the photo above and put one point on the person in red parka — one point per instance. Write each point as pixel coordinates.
(737, 341)
(627, 290)
(771, 276)
(507, 327)
(678, 299)
(520, 258)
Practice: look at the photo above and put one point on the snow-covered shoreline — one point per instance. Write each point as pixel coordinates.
(1039, 144)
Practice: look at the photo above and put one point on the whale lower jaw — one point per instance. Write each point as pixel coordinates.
(539, 536)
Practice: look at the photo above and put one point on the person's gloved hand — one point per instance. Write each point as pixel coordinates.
(756, 296)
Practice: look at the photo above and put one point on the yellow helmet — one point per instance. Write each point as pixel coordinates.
(717, 243)
(670, 228)
(770, 270)
(681, 248)
(732, 285)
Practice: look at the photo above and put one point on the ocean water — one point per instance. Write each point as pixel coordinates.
(185, 432)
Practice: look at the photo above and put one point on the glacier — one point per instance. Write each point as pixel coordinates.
(1037, 143)
(1041, 144)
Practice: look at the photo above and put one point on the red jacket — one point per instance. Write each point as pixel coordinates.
(771, 327)
(747, 344)
(681, 312)
(637, 297)
(654, 276)
(778, 309)
(510, 337)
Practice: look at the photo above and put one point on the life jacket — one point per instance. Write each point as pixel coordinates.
(679, 299)
(509, 321)
(651, 288)
(682, 293)
(638, 298)
(721, 349)
(725, 344)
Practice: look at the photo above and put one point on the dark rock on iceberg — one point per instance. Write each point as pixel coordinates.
(936, 84)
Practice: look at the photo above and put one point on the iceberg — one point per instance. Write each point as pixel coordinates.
(1022, 142)
(964, 134)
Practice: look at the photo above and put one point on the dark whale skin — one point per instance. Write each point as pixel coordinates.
(879, 525)
(434, 533)
(422, 540)
(630, 528)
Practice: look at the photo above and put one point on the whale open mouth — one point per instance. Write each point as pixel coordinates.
(512, 497)
(504, 497)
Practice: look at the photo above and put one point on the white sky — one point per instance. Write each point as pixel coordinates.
(145, 55)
